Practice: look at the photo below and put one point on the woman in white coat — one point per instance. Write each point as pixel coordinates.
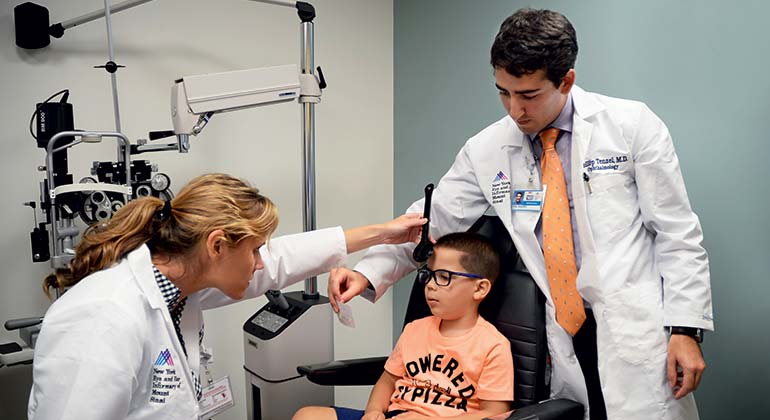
(123, 341)
(643, 273)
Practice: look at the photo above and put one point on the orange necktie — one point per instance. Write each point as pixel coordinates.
(558, 248)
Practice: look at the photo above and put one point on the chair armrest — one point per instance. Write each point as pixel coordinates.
(345, 372)
(559, 409)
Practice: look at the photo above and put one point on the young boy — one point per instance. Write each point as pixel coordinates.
(453, 364)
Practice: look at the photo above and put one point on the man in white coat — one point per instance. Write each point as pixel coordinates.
(606, 203)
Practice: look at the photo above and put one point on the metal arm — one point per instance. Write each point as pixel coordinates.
(88, 17)
(286, 3)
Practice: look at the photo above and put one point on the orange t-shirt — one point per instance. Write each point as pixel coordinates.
(448, 376)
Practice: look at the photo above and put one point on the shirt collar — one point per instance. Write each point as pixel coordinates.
(564, 121)
(168, 289)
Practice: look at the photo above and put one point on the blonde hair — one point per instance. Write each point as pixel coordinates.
(207, 203)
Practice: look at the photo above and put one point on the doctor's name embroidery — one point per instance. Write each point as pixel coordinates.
(435, 393)
(501, 188)
(164, 378)
(606, 164)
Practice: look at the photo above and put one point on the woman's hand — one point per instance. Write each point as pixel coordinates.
(405, 228)
(402, 229)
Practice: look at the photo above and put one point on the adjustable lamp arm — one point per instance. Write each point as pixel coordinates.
(32, 22)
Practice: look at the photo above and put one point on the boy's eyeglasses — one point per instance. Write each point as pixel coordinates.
(441, 277)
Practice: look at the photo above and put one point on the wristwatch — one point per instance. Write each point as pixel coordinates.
(695, 333)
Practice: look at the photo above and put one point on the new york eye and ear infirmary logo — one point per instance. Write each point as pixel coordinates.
(501, 188)
(164, 378)
(164, 358)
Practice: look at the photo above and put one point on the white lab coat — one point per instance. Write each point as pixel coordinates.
(104, 346)
(643, 266)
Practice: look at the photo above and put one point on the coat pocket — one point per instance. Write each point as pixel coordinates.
(612, 205)
(634, 319)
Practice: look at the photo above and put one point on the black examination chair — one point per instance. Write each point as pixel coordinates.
(515, 306)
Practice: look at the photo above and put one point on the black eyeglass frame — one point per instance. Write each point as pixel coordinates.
(425, 274)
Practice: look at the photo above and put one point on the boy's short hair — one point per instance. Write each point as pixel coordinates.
(479, 256)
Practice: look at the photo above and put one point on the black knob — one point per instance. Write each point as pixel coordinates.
(321, 79)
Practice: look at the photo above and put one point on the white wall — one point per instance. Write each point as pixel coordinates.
(166, 39)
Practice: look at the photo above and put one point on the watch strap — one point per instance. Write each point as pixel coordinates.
(693, 332)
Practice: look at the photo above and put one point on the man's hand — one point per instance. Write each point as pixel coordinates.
(345, 284)
(685, 365)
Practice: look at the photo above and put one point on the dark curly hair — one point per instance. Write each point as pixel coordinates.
(530, 40)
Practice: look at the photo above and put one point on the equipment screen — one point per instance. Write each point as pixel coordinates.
(269, 321)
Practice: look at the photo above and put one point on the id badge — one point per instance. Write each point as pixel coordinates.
(216, 398)
(528, 200)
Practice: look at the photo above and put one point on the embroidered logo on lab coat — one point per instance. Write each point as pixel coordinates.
(501, 188)
(164, 378)
(164, 358)
(609, 164)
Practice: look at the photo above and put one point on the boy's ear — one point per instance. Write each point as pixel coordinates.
(483, 287)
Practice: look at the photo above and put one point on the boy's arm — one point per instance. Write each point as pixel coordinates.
(491, 408)
(379, 400)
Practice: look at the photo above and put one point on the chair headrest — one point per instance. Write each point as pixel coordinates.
(492, 228)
